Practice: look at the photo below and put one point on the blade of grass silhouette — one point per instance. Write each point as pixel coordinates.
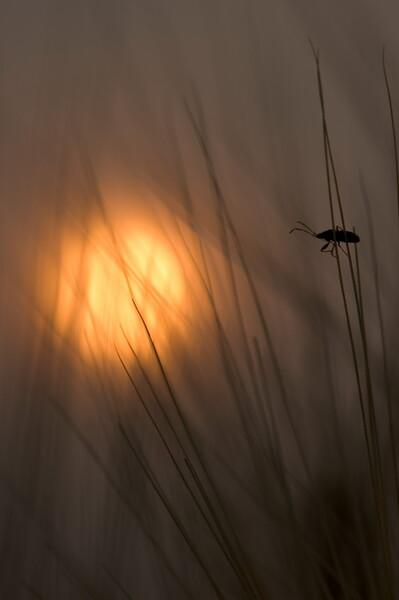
(173, 515)
(119, 490)
(30, 589)
(270, 428)
(223, 543)
(208, 503)
(231, 365)
(226, 214)
(382, 333)
(74, 571)
(182, 418)
(230, 370)
(276, 366)
(372, 418)
(372, 443)
(284, 524)
(219, 195)
(152, 390)
(395, 144)
(327, 160)
(116, 582)
(228, 261)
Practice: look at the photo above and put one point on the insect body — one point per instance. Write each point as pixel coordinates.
(331, 236)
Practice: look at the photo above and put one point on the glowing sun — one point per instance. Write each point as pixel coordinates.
(111, 285)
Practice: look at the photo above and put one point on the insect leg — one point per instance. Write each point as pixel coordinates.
(324, 248)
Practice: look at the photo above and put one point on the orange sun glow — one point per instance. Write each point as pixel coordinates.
(108, 286)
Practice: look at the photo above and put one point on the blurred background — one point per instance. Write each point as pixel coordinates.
(179, 406)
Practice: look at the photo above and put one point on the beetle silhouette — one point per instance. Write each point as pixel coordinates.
(331, 236)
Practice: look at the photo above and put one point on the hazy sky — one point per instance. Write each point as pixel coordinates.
(90, 90)
(95, 99)
(117, 75)
(94, 90)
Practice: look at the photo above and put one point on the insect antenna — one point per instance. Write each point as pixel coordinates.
(307, 229)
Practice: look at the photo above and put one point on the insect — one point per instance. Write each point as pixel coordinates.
(331, 236)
